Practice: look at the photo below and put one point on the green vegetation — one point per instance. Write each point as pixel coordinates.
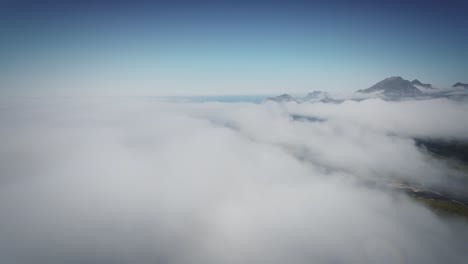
(456, 149)
(446, 207)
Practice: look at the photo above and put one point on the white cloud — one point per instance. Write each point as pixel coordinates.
(159, 182)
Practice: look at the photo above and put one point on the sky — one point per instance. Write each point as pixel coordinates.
(98, 164)
(227, 47)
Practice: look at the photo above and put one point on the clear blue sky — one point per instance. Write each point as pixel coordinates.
(227, 47)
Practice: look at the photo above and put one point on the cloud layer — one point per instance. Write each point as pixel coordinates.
(145, 181)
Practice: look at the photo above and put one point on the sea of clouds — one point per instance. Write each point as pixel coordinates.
(142, 180)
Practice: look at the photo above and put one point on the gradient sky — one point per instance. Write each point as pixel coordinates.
(227, 47)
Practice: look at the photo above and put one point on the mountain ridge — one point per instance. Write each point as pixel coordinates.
(391, 89)
(460, 85)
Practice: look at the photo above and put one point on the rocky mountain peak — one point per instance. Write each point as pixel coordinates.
(393, 88)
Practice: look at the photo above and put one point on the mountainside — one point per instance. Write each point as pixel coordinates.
(393, 88)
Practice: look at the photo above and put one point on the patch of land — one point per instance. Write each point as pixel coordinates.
(444, 207)
(455, 155)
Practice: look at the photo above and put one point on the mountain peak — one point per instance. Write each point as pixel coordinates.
(460, 85)
(418, 83)
(394, 88)
(316, 95)
(320, 96)
(283, 98)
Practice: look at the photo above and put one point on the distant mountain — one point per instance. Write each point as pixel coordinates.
(416, 82)
(331, 100)
(315, 96)
(460, 85)
(393, 88)
(283, 98)
(320, 96)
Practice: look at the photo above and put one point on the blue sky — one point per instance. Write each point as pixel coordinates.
(226, 47)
